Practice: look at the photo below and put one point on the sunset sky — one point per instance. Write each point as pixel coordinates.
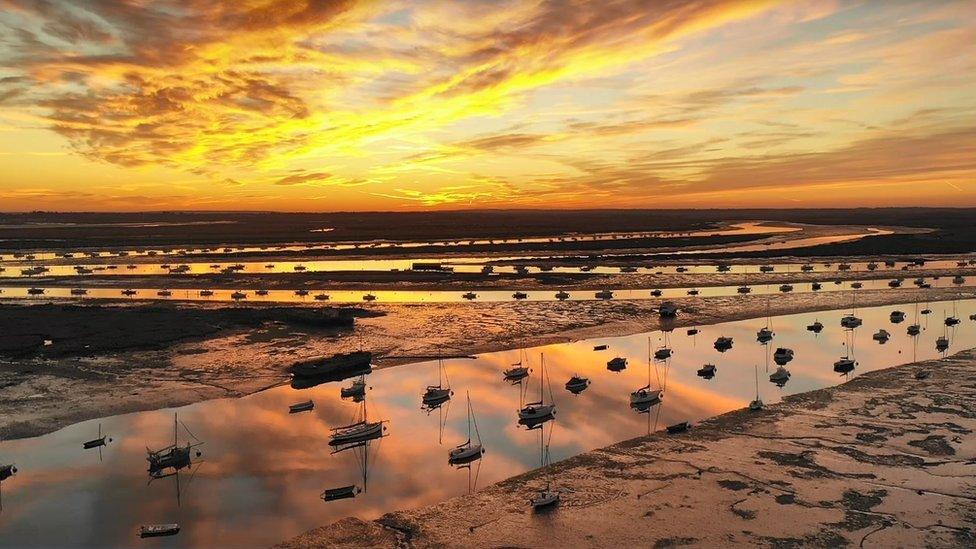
(406, 105)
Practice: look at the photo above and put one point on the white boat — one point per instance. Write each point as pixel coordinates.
(436, 395)
(534, 413)
(545, 498)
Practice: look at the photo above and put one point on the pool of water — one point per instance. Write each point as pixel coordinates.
(262, 470)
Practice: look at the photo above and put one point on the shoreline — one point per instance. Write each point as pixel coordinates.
(882, 460)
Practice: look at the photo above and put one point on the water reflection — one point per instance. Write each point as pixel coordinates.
(266, 471)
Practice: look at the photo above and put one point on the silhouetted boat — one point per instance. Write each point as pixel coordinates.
(469, 295)
(356, 390)
(744, 289)
(617, 364)
(602, 347)
(128, 292)
(238, 296)
(723, 344)
(657, 293)
(343, 492)
(692, 331)
(561, 295)
(158, 530)
(707, 371)
(516, 373)
(604, 294)
(206, 293)
(436, 395)
(896, 283)
(577, 384)
(301, 407)
(357, 432)
(780, 376)
(816, 286)
(856, 285)
(263, 293)
(914, 330)
(535, 413)
(79, 291)
(693, 291)
(756, 404)
(806, 268)
(844, 365)
(369, 297)
(786, 288)
(942, 343)
(881, 336)
(850, 321)
(301, 292)
(766, 268)
(520, 295)
(468, 451)
(783, 356)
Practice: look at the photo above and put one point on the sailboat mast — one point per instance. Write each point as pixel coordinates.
(542, 376)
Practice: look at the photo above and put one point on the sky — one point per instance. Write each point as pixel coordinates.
(129, 105)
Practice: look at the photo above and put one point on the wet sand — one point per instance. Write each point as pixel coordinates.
(884, 460)
(41, 392)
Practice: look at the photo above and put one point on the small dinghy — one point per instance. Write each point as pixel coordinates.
(321, 297)
(872, 266)
(678, 428)
(780, 376)
(469, 296)
(301, 407)
(369, 297)
(102, 440)
(238, 295)
(562, 296)
(604, 294)
(617, 364)
(343, 492)
(577, 384)
(603, 347)
(926, 311)
(844, 267)
(158, 530)
(657, 293)
(723, 344)
(816, 327)
(782, 356)
(881, 336)
(520, 295)
(692, 331)
(743, 289)
(707, 371)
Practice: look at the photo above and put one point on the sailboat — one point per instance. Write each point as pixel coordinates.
(169, 460)
(517, 372)
(437, 395)
(642, 399)
(467, 452)
(765, 334)
(757, 404)
(359, 431)
(544, 498)
(851, 321)
(534, 414)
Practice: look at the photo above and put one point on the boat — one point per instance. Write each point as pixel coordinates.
(577, 384)
(806, 268)
(520, 295)
(468, 451)
(692, 331)
(617, 364)
(744, 289)
(764, 335)
(766, 268)
(681, 269)
(756, 404)
(895, 283)
(79, 291)
(436, 395)
(786, 288)
(850, 321)
(128, 292)
(780, 376)
(951, 321)
(926, 311)
(306, 406)
(356, 362)
(628, 269)
(164, 293)
(783, 356)
(261, 292)
(98, 442)
(897, 316)
(816, 286)
(369, 297)
(206, 293)
(656, 293)
(844, 267)
(889, 263)
(562, 296)
(723, 344)
(707, 371)
(301, 292)
(693, 291)
(357, 433)
(158, 530)
(356, 390)
(972, 316)
(723, 268)
(238, 295)
(663, 353)
(678, 428)
(170, 459)
(321, 297)
(487, 269)
(844, 365)
(604, 294)
(299, 268)
(342, 492)
(881, 336)
(667, 309)
(602, 347)
(470, 295)
(872, 266)
(914, 330)
(856, 285)
(942, 343)
(535, 413)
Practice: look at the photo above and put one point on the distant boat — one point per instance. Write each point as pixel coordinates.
(356, 433)
(897, 316)
(261, 292)
(516, 373)
(872, 266)
(806, 268)
(881, 336)
(816, 286)
(469, 295)
(786, 288)
(756, 404)
(816, 327)
(128, 292)
(617, 364)
(693, 291)
(356, 390)
(369, 297)
(520, 295)
(535, 413)
(707, 371)
(602, 347)
(744, 289)
(942, 343)
(436, 395)
(206, 293)
(79, 291)
(766, 268)
(238, 295)
(164, 293)
(764, 335)
(158, 530)
(354, 362)
(301, 292)
(577, 384)
(678, 428)
(301, 407)
(343, 492)
(850, 321)
(844, 365)
(663, 353)
(561, 295)
(723, 344)
(895, 283)
(723, 268)
(780, 376)
(604, 294)
(321, 297)
(692, 331)
(959, 279)
(656, 293)
(783, 356)
(857, 285)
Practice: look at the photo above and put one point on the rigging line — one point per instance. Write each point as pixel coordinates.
(474, 419)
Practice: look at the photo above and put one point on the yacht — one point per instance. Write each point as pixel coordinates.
(850, 321)
(301, 292)
(617, 364)
(764, 335)
(562, 295)
(786, 288)
(656, 293)
(816, 327)
(538, 412)
(881, 336)
(238, 295)
(895, 283)
(79, 291)
(206, 293)
(816, 286)
(897, 317)
(806, 268)
(263, 293)
(468, 451)
(707, 371)
(942, 343)
(783, 356)
(520, 295)
(844, 365)
(780, 376)
(914, 330)
(369, 297)
(577, 384)
(723, 344)
(604, 294)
